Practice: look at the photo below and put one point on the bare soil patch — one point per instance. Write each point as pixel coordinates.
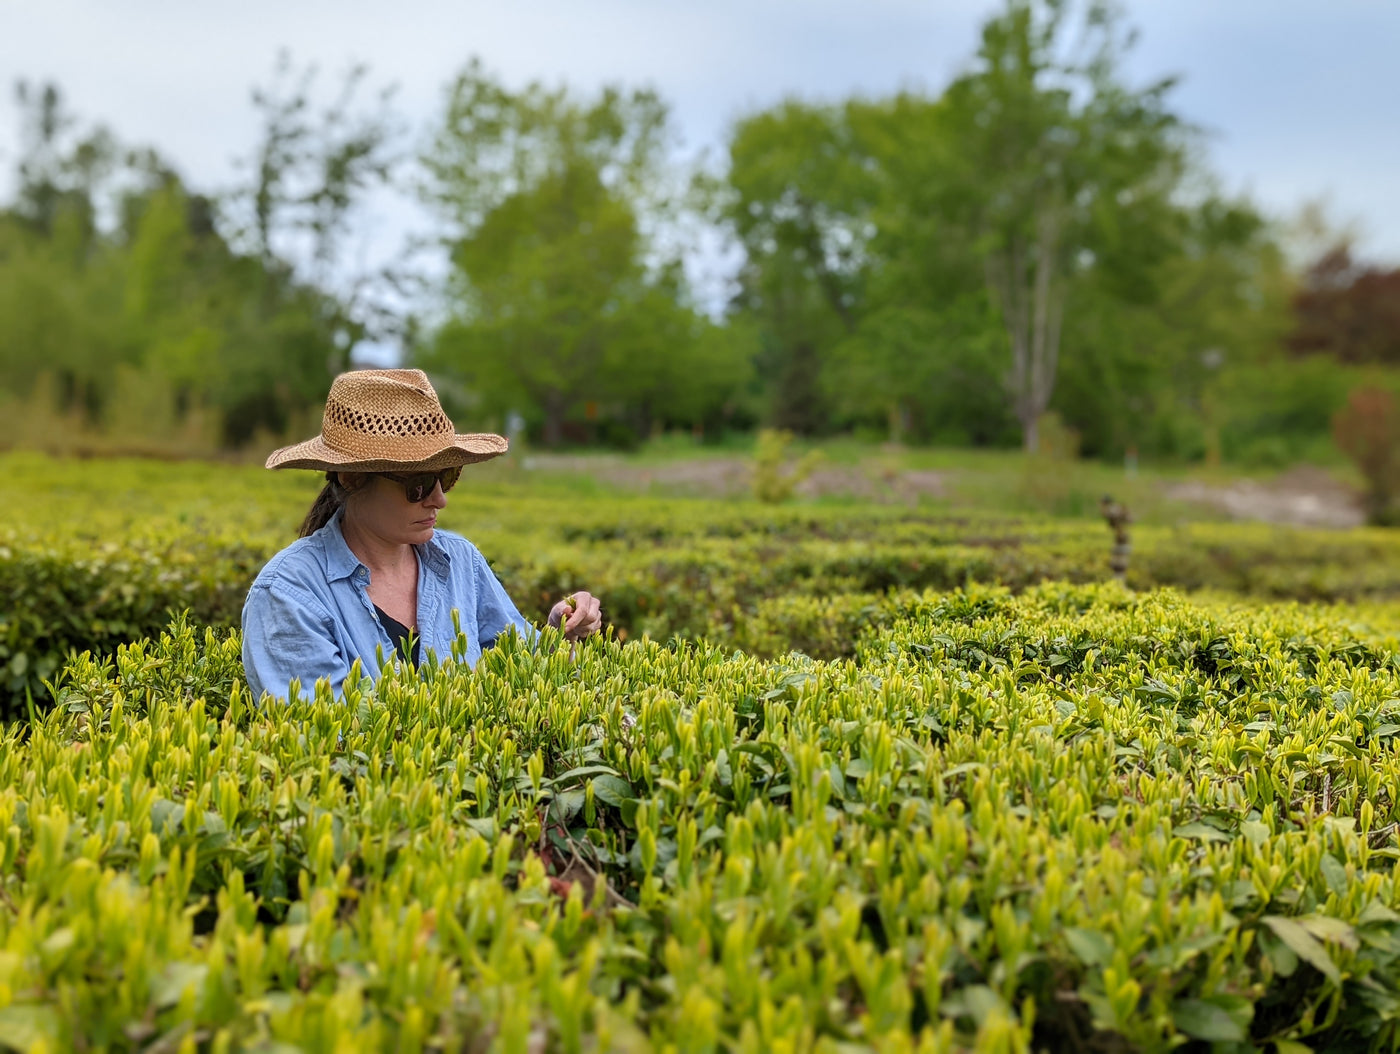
(727, 477)
(1305, 496)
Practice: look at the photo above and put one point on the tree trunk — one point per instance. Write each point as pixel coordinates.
(1030, 434)
(897, 421)
(1030, 297)
(799, 404)
(554, 407)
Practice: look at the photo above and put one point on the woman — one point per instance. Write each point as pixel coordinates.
(371, 571)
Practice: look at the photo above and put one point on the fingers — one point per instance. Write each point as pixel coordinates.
(586, 618)
(558, 613)
(582, 619)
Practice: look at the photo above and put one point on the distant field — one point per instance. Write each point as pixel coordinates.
(98, 552)
(973, 480)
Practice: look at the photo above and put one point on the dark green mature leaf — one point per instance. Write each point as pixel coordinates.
(1203, 1020)
(566, 805)
(613, 790)
(1200, 831)
(1304, 945)
(1090, 947)
(1335, 874)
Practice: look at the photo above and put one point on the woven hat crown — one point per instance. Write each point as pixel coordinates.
(379, 413)
(383, 421)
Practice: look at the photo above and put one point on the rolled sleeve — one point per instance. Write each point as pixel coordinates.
(288, 635)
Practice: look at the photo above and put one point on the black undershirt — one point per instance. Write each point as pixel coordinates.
(400, 634)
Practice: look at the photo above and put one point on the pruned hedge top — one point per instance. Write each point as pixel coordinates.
(1070, 819)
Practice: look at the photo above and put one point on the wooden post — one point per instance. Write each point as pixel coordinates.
(1118, 518)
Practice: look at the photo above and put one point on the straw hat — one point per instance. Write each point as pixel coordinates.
(385, 421)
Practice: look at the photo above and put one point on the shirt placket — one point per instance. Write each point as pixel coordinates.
(429, 601)
(361, 580)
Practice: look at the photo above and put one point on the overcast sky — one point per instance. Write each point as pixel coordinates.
(1299, 96)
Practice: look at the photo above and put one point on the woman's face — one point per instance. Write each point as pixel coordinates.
(380, 507)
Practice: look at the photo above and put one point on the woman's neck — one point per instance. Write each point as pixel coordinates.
(382, 556)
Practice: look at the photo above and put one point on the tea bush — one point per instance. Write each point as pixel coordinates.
(98, 595)
(1070, 818)
(92, 555)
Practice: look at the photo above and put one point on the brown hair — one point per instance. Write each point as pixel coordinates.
(331, 498)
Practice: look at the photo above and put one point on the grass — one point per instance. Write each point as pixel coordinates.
(974, 481)
(981, 481)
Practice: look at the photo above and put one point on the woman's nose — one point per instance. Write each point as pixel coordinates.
(437, 499)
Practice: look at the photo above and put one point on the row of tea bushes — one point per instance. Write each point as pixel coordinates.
(95, 596)
(840, 626)
(79, 594)
(56, 598)
(1069, 819)
(94, 554)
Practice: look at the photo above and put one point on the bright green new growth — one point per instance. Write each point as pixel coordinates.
(1071, 817)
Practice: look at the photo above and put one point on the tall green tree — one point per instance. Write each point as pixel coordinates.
(559, 303)
(310, 173)
(925, 259)
(1056, 165)
(114, 279)
(926, 353)
(797, 203)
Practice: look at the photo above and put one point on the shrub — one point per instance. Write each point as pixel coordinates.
(1367, 430)
(1074, 818)
(774, 479)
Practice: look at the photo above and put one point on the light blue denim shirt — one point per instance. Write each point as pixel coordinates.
(309, 615)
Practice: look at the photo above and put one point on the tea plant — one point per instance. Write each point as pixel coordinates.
(144, 543)
(1072, 818)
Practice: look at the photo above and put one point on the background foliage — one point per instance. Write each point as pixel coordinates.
(1041, 235)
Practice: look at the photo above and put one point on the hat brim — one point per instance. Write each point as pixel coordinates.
(468, 449)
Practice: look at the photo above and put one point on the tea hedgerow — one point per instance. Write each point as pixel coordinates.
(1071, 819)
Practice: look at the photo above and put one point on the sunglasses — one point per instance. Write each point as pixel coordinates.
(418, 485)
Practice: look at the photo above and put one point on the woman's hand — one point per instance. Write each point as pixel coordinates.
(579, 615)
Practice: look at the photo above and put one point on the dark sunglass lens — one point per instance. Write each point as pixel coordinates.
(418, 487)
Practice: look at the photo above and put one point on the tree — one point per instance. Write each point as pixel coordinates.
(1348, 310)
(559, 303)
(1163, 347)
(312, 171)
(114, 278)
(798, 192)
(887, 239)
(925, 352)
(60, 172)
(1367, 430)
(1049, 157)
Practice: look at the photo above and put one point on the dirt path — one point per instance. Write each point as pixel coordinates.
(730, 477)
(1302, 497)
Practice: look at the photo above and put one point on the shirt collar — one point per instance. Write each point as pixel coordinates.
(342, 563)
(435, 555)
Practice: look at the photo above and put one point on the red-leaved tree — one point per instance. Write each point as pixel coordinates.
(1348, 310)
